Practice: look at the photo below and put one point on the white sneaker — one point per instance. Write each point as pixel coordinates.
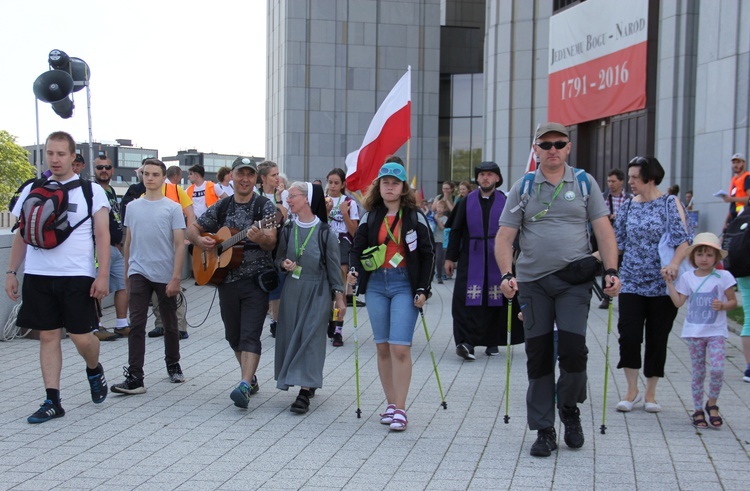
(626, 406)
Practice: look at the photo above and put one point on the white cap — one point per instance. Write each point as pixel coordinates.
(738, 156)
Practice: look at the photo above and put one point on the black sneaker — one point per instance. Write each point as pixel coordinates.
(156, 332)
(175, 373)
(273, 329)
(184, 334)
(132, 385)
(571, 418)
(98, 385)
(492, 351)
(338, 340)
(464, 352)
(46, 411)
(545, 443)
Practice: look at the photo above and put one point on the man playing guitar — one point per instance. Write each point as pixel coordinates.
(242, 301)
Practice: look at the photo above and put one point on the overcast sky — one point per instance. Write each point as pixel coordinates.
(166, 74)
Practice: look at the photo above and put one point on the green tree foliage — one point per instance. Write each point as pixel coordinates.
(15, 168)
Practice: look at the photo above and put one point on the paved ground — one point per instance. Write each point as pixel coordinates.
(191, 437)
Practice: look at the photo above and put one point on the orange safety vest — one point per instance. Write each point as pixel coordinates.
(170, 191)
(737, 190)
(211, 197)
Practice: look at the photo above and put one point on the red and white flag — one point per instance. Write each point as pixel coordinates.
(388, 131)
(531, 164)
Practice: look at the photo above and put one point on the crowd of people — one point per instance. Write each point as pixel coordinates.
(302, 253)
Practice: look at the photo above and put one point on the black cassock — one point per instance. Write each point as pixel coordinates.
(479, 325)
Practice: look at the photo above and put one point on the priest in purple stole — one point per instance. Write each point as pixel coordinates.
(480, 312)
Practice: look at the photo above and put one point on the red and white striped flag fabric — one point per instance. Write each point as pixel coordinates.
(531, 165)
(388, 131)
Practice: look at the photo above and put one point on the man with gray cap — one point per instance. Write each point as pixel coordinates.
(739, 188)
(242, 301)
(479, 310)
(551, 210)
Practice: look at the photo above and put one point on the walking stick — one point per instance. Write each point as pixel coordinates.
(434, 364)
(356, 346)
(603, 428)
(507, 361)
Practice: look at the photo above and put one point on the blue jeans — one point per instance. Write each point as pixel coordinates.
(390, 305)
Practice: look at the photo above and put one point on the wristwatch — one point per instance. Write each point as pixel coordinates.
(507, 276)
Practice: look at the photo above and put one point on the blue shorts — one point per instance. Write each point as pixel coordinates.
(275, 294)
(390, 305)
(116, 270)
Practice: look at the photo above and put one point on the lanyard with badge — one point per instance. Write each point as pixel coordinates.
(397, 257)
(300, 250)
(547, 205)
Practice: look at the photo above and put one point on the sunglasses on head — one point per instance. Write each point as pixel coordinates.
(548, 145)
(638, 160)
(393, 171)
(103, 167)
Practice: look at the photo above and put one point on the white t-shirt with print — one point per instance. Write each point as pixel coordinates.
(336, 218)
(75, 256)
(199, 200)
(701, 320)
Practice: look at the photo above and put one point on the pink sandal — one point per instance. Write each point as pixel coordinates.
(399, 421)
(386, 418)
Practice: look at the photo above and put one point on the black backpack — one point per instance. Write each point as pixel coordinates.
(737, 245)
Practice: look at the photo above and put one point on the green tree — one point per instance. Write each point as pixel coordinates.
(15, 168)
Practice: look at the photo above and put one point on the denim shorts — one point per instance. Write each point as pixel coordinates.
(390, 305)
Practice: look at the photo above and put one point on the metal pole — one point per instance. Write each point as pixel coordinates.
(91, 136)
(38, 159)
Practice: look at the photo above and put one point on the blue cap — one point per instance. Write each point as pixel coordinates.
(394, 170)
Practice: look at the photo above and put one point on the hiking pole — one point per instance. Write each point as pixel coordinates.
(356, 344)
(506, 418)
(434, 364)
(603, 427)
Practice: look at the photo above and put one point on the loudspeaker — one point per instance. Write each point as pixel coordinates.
(54, 87)
(80, 72)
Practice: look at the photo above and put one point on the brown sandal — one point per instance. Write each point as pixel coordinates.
(716, 421)
(699, 419)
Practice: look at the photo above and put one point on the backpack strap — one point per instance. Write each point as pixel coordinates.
(527, 185)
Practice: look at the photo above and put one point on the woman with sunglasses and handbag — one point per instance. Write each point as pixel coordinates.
(394, 261)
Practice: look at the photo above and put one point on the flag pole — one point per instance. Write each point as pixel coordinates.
(408, 155)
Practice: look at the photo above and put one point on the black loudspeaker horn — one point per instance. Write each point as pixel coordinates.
(80, 72)
(54, 87)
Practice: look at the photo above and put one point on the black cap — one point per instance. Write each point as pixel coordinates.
(79, 158)
(489, 167)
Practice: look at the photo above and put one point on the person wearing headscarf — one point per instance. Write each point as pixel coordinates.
(308, 254)
(480, 311)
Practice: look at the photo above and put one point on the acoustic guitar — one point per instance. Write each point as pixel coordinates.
(213, 265)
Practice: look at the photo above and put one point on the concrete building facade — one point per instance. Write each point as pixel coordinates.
(332, 62)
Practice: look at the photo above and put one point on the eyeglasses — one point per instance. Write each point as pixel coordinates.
(103, 167)
(396, 171)
(548, 145)
(638, 160)
(290, 196)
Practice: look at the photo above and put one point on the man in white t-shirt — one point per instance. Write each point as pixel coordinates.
(61, 285)
(202, 192)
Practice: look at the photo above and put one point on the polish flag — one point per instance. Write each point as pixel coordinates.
(531, 165)
(388, 131)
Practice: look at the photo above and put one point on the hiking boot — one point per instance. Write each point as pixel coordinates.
(184, 335)
(46, 411)
(241, 394)
(156, 332)
(464, 352)
(338, 340)
(273, 329)
(545, 443)
(131, 386)
(571, 418)
(98, 385)
(123, 331)
(105, 335)
(175, 373)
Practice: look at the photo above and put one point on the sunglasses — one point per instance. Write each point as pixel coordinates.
(548, 145)
(638, 160)
(399, 172)
(103, 167)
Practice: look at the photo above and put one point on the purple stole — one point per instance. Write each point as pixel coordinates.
(479, 246)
